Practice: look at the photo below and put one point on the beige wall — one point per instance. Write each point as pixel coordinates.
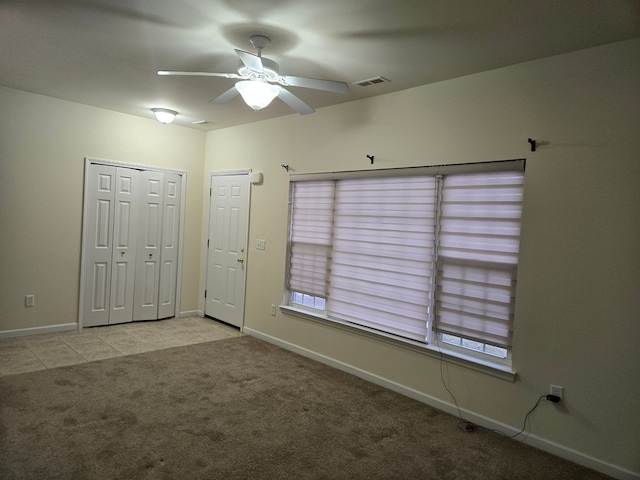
(43, 143)
(578, 298)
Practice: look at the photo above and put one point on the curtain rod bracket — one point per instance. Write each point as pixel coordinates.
(370, 157)
(285, 166)
(533, 144)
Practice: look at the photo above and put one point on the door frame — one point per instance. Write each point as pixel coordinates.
(183, 188)
(226, 173)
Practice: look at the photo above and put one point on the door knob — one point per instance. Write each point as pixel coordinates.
(240, 260)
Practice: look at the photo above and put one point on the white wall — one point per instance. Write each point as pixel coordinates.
(43, 143)
(578, 295)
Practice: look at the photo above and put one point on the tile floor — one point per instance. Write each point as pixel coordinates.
(50, 350)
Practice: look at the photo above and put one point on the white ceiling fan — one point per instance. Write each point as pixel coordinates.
(256, 74)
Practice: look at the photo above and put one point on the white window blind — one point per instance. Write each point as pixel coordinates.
(375, 249)
(382, 253)
(311, 233)
(478, 256)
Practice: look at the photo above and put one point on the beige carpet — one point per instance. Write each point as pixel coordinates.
(240, 409)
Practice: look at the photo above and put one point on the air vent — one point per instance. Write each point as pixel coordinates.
(202, 123)
(372, 81)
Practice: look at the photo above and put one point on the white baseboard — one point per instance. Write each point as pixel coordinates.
(65, 327)
(533, 440)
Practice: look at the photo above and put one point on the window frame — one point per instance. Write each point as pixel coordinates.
(433, 345)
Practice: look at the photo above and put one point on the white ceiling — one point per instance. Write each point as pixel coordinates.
(106, 52)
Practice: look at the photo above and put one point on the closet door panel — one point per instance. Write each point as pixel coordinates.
(101, 184)
(147, 276)
(169, 252)
(124, 245)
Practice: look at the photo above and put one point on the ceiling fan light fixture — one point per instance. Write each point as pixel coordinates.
(257, 94)
(164, 115)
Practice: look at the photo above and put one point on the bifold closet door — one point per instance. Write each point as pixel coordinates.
(125, 224)
(109, 268)
(132, 232)
(170, 239)
(151, 199)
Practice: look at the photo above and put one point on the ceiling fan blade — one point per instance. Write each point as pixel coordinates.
(253, 62)
(294, 102)
(226, 96)
(199, 74)
(326, 85)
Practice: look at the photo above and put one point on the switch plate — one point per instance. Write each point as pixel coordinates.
(29, 300)
(261, 244)
(273, 310)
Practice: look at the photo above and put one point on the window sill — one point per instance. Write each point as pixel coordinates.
(457, 358)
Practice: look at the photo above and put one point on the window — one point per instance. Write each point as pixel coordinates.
(417, 255)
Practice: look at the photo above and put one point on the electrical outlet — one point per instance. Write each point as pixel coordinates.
(29, 300)
(273, 310)
(556, 390)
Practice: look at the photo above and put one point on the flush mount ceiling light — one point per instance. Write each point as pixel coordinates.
(257, 94)
(164, 115)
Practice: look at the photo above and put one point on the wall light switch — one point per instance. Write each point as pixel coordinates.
(29, 300)
(261, 244)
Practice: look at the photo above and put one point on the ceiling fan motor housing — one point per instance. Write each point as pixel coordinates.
(259, 41)
(270, 73)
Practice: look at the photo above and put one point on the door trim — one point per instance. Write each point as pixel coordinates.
(222, 173)
(183, 189)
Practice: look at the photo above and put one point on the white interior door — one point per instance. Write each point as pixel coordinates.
(227, 254)
(98, 239)
(147, 276)
(124, 245)
(170, 244)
